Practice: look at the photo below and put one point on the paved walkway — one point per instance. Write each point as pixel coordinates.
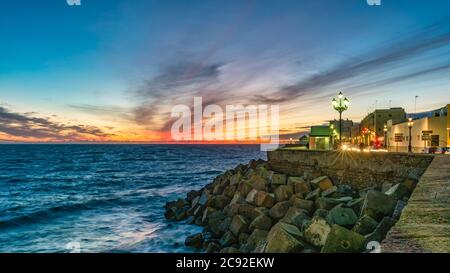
(424, 225)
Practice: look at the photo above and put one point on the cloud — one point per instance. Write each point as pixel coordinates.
(381, 62)
(28, 126)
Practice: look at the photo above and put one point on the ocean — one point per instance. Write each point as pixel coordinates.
(103, 198)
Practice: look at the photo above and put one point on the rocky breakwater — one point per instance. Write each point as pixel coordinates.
(254, 209)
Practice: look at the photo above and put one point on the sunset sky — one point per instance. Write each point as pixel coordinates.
(112, 70)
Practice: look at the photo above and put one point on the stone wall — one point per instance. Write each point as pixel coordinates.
(358, 169)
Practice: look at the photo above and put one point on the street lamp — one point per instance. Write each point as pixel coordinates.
(385, 135)
(340, 104)
(410, 125)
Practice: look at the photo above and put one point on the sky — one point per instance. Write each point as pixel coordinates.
(113, 70)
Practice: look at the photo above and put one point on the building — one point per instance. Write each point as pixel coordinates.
(347, 126)
(320, 138)
(430, 130)
(372, 126)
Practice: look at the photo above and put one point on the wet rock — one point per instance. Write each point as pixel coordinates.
(316, 233)
(313, 195)
(204, 198)
(244, 188)
(228, 238)
(206, 213)
(307, 205)
(284, 238)
(278, 179)
(238, 225)
(342, 240)
(399, 191)
(264, 199)
(213, 247)
(195, 240)
(322, 182)
(191, 195)
(377, 205)
(262, 222)
(283, 193)
(381, 230)
(365, 225)
(399, 209)
(279, 210)
(219, 223)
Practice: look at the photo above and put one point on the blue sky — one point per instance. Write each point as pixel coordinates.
(116, 65)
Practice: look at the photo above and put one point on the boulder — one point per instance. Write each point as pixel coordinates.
(345, 217)
(355, 204)
(365, 225)
(295, 216)
(262, 222)
(213, 247)
(220, 187)
(258, 182)
(284, 238)
(232, 209)
(251, 196)
(278, 179)
(237, 199)
(248, 211)
(238, 225)
(325, 203)
(242, 239)
(316, 233)
(377, 205)
(313, 195)
(206, 213)
(330, 191)
(244, 188)
(230, 191)
(264, 199)
(283, 192)
(322, 182)
(342, 240)
(218, 222)
(191, 195)
(322, 213)
(255, 238)
(381, 230)
(386, 186)
(279, 210)
(228, 238)
(204, 198)
(307, 205)
(230, 250)
(399, 191)
(235, 178)
(194, 202)
(219, 201)
(195, 240)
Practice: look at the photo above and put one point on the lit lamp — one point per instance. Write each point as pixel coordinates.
(410, 125)
(385, 136)
(340, 104)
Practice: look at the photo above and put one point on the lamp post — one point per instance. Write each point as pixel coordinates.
(385, 136)
(410, 125)
(340, 104)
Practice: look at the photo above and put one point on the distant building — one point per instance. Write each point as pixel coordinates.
(347, 126)
(371, 127)
(320, 138)
(430, 130)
